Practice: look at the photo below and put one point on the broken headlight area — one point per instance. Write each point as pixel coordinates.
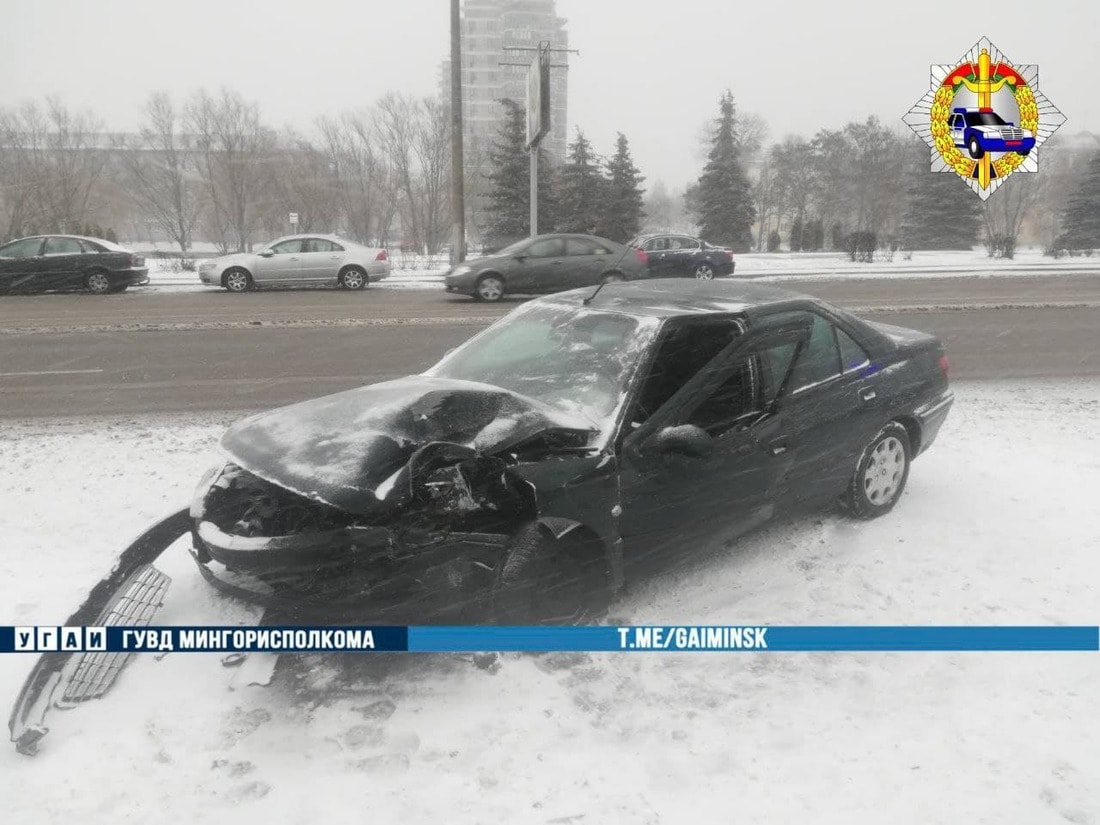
(428, 542)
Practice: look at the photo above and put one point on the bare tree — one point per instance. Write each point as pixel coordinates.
(359, 173)
(232, 147)
(1005, 212)
(157, 164)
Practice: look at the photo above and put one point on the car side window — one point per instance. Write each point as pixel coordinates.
(545, 248)
(852, 355)
(88, 246)
(729, 403)
(818, 361)
(656, 245)
(318, 245)
(26, 248)
(61, 246)
(687, 243)
(292, 247)
(335, 247)
(682, 352)
(581, 246)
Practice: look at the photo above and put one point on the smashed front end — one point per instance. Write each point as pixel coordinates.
(386, 504)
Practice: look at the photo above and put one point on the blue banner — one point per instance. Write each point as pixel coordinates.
(444, 639)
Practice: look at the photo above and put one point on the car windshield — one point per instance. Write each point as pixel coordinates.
(577, 360)
(984, 119)
(512, 249)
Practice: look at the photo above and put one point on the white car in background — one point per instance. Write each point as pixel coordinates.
(298, 260)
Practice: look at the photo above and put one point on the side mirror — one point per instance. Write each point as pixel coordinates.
(267, 253)
(686, 439)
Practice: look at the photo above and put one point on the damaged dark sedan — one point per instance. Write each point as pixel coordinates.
(527, 475)
(521, 477)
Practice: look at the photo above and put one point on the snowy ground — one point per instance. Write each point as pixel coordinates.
(999, 525)
(166, 275)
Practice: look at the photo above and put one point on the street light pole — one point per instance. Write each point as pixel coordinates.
(458, 198)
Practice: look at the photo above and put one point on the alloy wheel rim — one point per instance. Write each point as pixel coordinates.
(98, 283)
(353, 280)
(236, 281)
(882, 477)
(704, 273)
(490, 289)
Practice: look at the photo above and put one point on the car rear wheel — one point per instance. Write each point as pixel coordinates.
(1024, 152)
(975, 148)
(490, 288)
(353, 278)
(544, 580)
(237, 280)
(98, 283)
(704, 272)
(881, 475)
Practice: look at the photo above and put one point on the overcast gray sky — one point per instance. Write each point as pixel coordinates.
(653, 70)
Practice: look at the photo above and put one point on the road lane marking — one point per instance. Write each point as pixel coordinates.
(47, 372)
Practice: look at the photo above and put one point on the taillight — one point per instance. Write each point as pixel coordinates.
(642, 256)
(945, 365)
(729, 256)
(381, 256)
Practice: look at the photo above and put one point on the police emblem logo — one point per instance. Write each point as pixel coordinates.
(984, 118)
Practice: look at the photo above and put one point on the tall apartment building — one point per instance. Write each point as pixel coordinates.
(488, 26)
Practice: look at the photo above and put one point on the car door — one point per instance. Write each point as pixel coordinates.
(721, 479)
(958, 126)
(659, 261)
(321, 260)
(540, 267)
(683, 252)
(584, 262)
(18, 260)
(283, 264)
(830, 408)
(62, 263)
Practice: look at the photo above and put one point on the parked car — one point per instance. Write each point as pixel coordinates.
(681, 256)
(296, 260)
(546, 263)
(54, 262)
(983, 130)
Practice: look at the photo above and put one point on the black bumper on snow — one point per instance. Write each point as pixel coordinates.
(370, 574)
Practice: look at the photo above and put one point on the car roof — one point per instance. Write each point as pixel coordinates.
(675, 297)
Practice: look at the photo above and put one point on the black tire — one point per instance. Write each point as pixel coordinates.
(974, 148)
(879, 481)
(353, 277)
(97, 282)
(612, 278)
(543, 580)
(237, 279)
(489, 288)
(704, 272)
(1024, 152)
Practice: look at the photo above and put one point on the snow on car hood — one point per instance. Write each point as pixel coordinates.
(338, 449)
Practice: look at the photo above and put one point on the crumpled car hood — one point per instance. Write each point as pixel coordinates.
(338, 449)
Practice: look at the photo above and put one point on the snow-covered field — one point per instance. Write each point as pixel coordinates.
(166, 275)
(999, 525)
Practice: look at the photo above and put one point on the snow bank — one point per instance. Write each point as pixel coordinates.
(998, 526)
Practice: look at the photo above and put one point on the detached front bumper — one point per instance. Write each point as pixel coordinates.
(355, 573)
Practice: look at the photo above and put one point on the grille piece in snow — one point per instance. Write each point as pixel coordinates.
(92, 674)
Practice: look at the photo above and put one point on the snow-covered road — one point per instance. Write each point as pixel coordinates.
(999, 525)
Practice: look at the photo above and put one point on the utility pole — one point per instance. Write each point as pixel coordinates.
(458, 197)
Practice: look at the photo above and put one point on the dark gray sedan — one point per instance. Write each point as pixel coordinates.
(46, 262)
(547, 263)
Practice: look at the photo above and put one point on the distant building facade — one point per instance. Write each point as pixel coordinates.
(488, 26)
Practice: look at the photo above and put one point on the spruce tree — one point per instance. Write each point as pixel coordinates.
(623, 207)
(725, 197)
(1081, 216)
(509, 198)
(940, 212)
(580, 192)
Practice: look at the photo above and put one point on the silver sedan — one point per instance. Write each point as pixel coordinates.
(298, 260)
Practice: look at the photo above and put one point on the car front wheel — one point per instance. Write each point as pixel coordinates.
(353, 278)
(544, 580)
(881, 475)
(490, 288)
(237, 280)
(98, 283)
(975, 148)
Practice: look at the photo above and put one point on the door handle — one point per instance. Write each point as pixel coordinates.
(778, 447)
(293, 258)
(867, 394)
